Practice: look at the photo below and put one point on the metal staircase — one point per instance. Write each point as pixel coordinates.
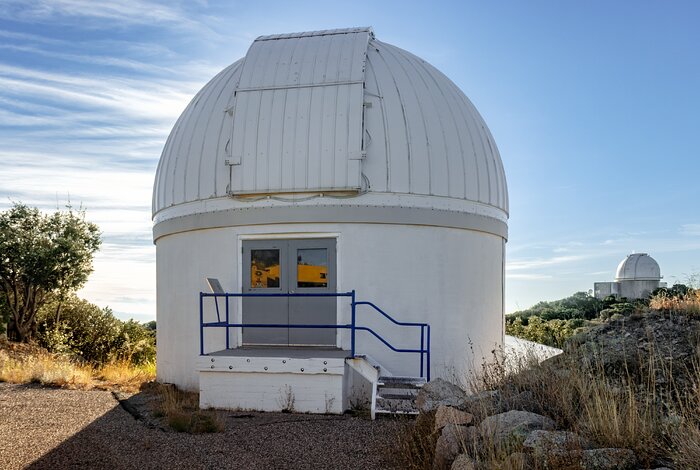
(397, 395)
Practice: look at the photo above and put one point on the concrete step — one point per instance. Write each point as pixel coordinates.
(395, 405)
(389, 413)
(401, 382)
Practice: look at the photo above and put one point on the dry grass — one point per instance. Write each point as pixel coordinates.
(181, 410)
(583, 398)
(125, 376)
(688, 304)
(415, 447)
(44, 369)
(22, 363)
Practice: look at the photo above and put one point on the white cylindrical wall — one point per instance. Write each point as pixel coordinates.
(450, 278)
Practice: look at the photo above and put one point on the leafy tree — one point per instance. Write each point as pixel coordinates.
(42, 254)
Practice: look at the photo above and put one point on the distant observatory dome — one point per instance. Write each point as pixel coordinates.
(638, 267)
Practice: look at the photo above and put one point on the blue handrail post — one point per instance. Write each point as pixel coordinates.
(422, 349)
(428, 354)
(352, 330)
(227, 322)
(201, 324)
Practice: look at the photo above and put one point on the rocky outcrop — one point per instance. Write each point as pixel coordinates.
(450, 415)
(530, 439)
(608, 459)
(542, 442)
(452, 442)
(512, 427)
(440, 392)
(464, 462)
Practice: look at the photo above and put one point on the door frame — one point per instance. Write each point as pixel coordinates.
(237, 304)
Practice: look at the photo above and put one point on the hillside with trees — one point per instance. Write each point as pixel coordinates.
(554, 322)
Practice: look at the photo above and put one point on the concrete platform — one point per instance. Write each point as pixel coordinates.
(308, 380)
(288, 352)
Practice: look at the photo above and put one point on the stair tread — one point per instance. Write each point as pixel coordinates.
(396, 396)
(394, 412)
(401, 378)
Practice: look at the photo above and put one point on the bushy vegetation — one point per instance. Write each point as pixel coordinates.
(553, 323)
(93, 334)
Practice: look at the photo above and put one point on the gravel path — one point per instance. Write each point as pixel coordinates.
(53, 428)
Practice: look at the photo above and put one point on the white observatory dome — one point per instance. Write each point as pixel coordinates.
(331, 118)
(333, 156)
(638, 267)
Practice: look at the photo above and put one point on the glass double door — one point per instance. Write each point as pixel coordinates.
(289, 266)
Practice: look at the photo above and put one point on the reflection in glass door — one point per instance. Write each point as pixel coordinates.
(294, 266)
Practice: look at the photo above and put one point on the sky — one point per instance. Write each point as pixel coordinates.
(594, 107)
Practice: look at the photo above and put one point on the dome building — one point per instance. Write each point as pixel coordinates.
(344, 191)
(637, 276)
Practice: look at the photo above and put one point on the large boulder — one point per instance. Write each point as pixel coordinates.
(512, 427)
(452, 442)
(450, 415)
(464, 462)
(541, 442)
(608, 459)
(440, 392)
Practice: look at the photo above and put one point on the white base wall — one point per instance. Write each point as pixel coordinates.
(272, 384)
(450, 278)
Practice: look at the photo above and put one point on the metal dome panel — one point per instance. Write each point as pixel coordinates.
(297, 113)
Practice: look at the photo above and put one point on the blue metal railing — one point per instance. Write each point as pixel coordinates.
(424, 350)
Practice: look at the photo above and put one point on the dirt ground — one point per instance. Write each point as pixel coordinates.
(55, 428)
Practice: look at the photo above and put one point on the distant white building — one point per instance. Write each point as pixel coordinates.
(637, 276)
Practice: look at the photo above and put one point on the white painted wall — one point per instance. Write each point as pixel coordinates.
(451, 278)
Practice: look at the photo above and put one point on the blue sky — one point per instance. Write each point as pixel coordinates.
(594, 106)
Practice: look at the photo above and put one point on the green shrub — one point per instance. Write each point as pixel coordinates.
(550, 332)
(93, 334)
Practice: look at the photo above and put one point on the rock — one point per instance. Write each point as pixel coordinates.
(484, 403)
(524, 401)
(450, 444)
(512, 427)
(449, 415)
(440, 392)
(554, 442)
(607, 459)
(463, 462)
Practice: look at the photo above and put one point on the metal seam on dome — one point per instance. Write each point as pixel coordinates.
(233, 70)
(229, 131)
(453, 121)
(216, 96)
(411, 59)
(422, 117)
(387, 144)
(476, 119)
(407, 130)
(468, 125)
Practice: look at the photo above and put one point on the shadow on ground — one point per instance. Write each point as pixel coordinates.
(116, 439)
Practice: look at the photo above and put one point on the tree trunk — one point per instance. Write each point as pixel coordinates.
(19, 332)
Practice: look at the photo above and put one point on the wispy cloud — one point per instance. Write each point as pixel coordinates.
(690, 229)
(524, 264)
(114, 12)
(528, 277)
